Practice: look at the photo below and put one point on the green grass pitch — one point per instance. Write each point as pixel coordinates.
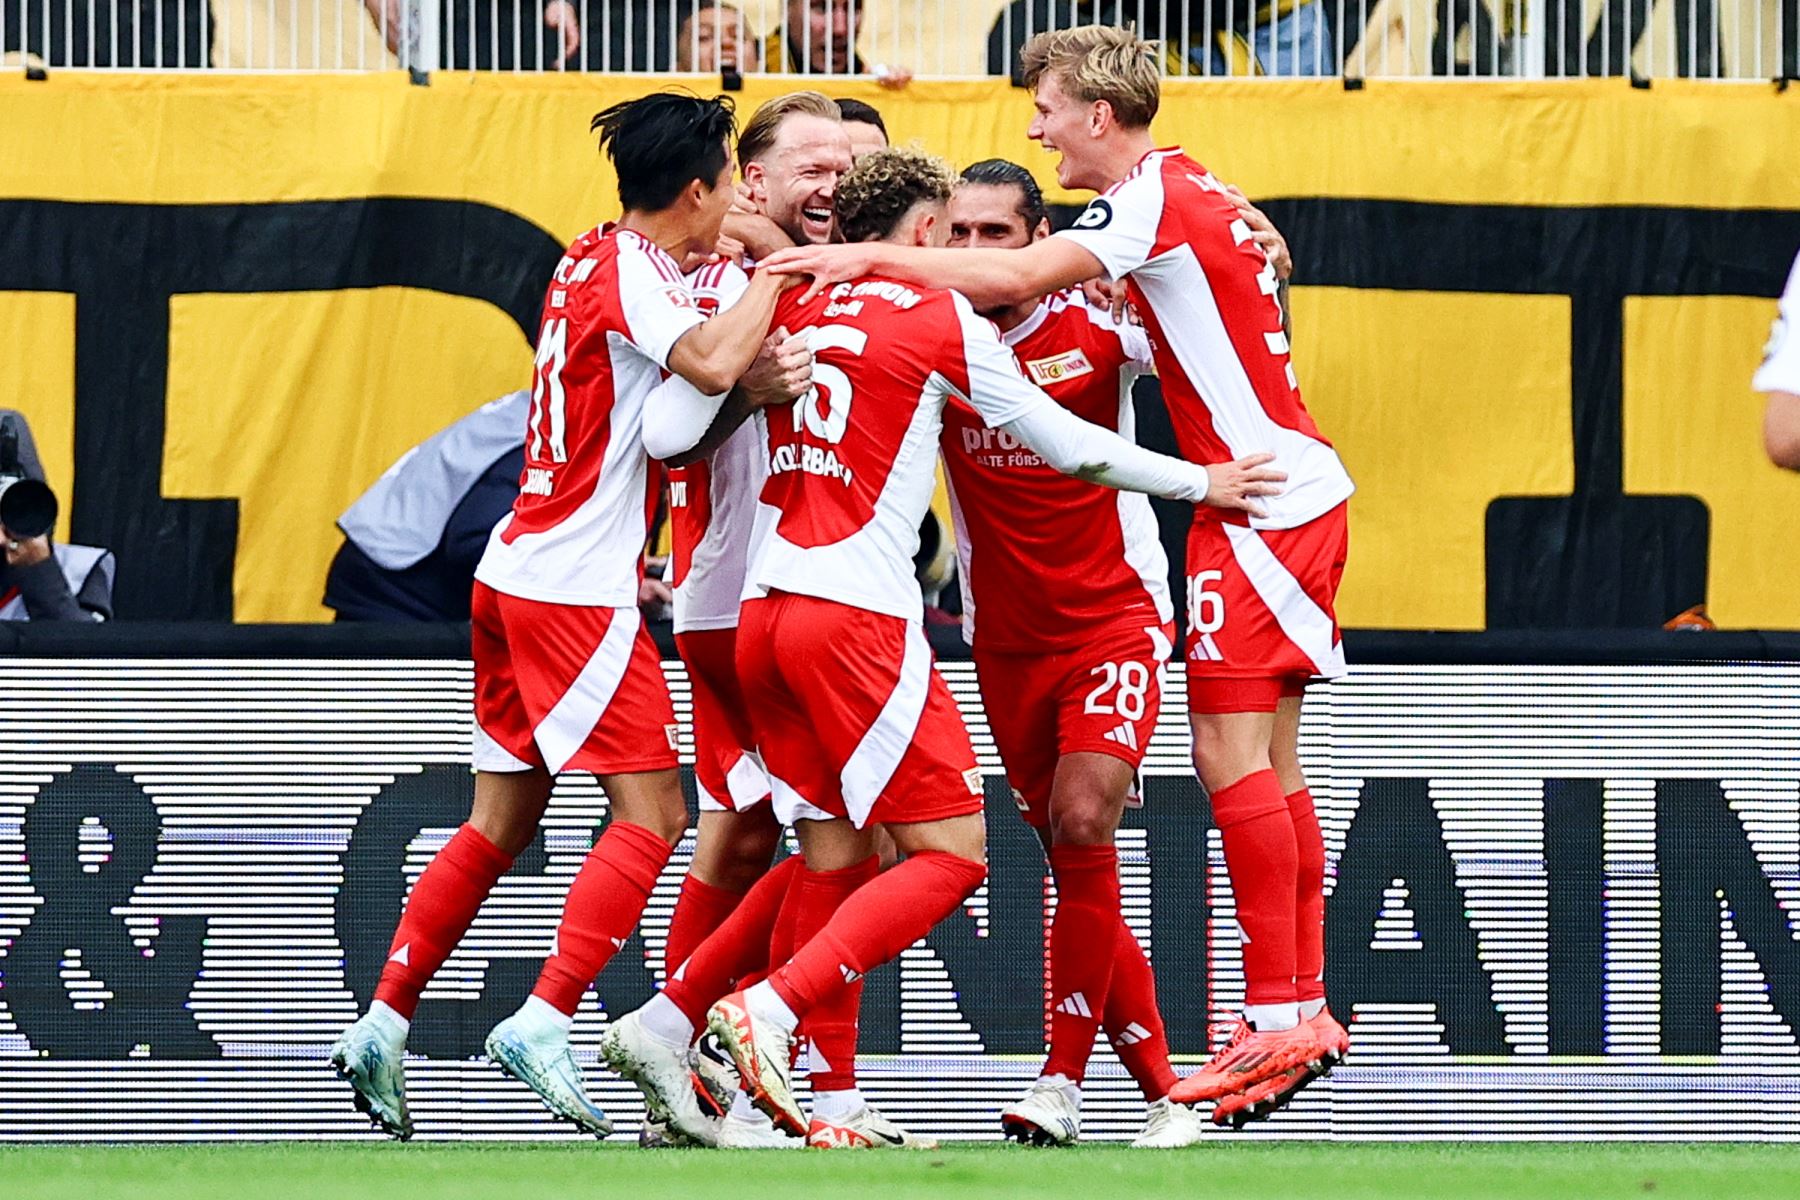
(566, 1171)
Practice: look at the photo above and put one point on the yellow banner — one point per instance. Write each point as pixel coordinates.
(311, 274)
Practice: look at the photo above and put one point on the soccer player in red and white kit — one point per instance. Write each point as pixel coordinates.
(850, 715)
(792, 152)
(1261, 588)
(566, 678)
(1066, 605)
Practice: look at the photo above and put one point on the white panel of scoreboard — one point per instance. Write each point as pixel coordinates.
(1565, 903)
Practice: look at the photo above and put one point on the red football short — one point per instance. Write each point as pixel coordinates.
(727, 772)
(1102, 696)
(567, 687)
(1260, 611)
(851, 718)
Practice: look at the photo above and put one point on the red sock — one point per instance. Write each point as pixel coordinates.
(831, 1025)
(439, 911)
(1133, 1023)
(781, 939)
(1309, 927)
(699, 910)
(603, 908)
(1262, 859)
(737, 947)
(1082, 940)
(884, 917)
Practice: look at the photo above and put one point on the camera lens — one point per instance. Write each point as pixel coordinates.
(27, 508)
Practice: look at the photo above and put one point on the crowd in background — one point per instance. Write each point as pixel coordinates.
(1740, 38)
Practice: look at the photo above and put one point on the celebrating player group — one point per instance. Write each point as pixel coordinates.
(798, 351)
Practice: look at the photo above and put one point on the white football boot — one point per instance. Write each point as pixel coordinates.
(535, 1051)
(1049, 1115)
(864, 1129)
(764, 1054)
(371, 1057)
(747, 1127)
(1170, 1126)
(663, 1074)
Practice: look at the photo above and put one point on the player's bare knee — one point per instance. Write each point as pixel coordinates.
(651, 800)
(1088, 798)
(1229, 746)
(1087, 820)
(509, 806)
(733, 853)
(965, 837)
(1286, 762)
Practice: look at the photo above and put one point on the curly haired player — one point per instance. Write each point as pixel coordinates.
(1261, 586)
(852, 720)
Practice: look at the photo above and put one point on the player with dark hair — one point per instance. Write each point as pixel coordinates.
(1261, 587)
(1066, 604)
(566, 676)
(862, 121)
(792, 153)
(837, 674)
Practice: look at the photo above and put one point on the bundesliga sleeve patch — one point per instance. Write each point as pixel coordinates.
(1097, 215)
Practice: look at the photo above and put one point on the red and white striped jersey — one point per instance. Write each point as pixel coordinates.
(712, 503)
(615, 308)
(1047, 558)
(1207, 294)
(852, 465)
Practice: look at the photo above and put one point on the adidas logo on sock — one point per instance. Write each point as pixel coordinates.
(1075, 1005)
(1131, 1035)
(1125, 735)
(618, 943)
(850, 976)
(403, 955)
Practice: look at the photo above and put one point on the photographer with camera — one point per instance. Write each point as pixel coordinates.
(40, 580)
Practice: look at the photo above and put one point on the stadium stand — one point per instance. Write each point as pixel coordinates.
(1740, 39)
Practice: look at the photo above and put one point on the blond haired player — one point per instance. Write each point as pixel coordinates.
(1260, 586)
(849, 714)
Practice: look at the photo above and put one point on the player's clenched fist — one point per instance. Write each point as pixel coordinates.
(782, 370)
(1236, 485)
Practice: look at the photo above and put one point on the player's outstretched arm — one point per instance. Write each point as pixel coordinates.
(1098, 455)
(1008, 401)
(714, 354)
(989, 278)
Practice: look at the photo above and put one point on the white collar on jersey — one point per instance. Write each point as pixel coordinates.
(1053, 303)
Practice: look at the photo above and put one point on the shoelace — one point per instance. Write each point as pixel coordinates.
(1235, 1034)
